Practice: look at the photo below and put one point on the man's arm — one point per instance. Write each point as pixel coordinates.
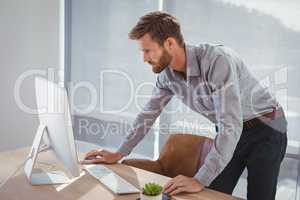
(141, 126)
(145, 119)
(227, 104)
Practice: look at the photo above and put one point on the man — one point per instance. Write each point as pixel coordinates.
(213, 81)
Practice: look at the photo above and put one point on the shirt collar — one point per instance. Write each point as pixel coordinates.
(192, 67)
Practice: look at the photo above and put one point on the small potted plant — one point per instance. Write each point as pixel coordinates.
(151, 191)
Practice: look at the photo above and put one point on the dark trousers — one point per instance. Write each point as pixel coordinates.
(261, 150)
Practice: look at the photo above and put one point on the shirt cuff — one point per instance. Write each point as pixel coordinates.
(124, 150)
(205, 175)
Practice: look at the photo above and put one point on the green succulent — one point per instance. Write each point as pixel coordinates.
(152, 189)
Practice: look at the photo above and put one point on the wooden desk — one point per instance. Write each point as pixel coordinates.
(83, 188)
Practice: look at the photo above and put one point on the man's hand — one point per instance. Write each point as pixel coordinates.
(182, 184)
(102, 156)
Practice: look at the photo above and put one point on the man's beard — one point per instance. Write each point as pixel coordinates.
(162, 63)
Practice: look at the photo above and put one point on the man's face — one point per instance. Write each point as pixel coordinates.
(154, 54)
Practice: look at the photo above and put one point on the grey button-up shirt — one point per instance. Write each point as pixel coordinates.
(218, 86)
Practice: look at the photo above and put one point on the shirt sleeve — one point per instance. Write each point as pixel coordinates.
(223, 81)
(145, 119)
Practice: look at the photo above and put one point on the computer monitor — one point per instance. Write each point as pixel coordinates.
(55, 131)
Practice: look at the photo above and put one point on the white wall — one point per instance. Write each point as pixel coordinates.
(100, 42)
(29, 31)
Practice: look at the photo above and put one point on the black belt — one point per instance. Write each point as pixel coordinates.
(264, 118)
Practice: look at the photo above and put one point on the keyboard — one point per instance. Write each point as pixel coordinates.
(111, 180)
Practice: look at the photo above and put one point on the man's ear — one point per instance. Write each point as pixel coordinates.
(169, 44)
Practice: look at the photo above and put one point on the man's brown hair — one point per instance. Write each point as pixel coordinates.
(159, 25)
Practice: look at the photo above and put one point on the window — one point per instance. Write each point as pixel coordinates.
(263, 32)
(105, 64)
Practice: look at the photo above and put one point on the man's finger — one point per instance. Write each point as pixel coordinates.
(170, 182)
(177, 191)
(176, 184)
(170, 188)
(98, 160)
(95, 153)
(92, 153)
(101, 152)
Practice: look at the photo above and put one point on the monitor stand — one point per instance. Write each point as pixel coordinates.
(41, 178)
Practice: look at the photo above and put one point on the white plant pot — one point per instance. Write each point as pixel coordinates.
(147, 197)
